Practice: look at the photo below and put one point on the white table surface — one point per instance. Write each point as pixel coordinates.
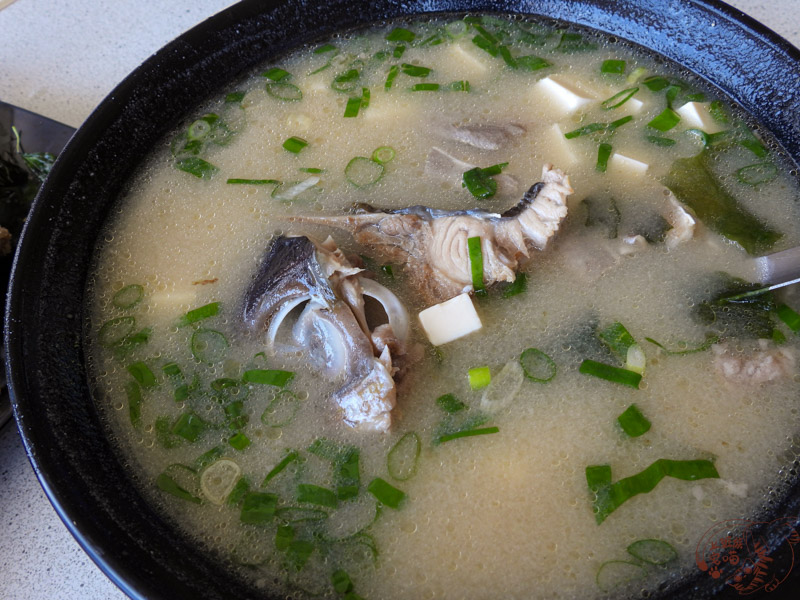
(60, 58)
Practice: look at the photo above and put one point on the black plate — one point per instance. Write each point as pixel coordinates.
(77, 466)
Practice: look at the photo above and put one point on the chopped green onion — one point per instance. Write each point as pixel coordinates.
(401, 462)
(757, 174)
(298, 553)
(518, 286)
(477, 27)
(596, 127)
(672, 93)
(479, 377)
(314, 494)
(479, 180)
(163, 434)
(345, 461)
(610, 496)
(347, 81)
(274, 377)
(425, 87)
(710, 341)
(239, 441)
(393, 71)
(633, 422)
(505, 54)
(383, 155)
(619, 98)
(665, 121)
(531, 63)
(285, 462)
(287, 92)
(198, 314)
(208, 346)
(294, 144)
(789, 316)
(653, 552)
(352, 107)
(208, 458)
(468, 433)
(603, 154)
(364, 97)
(614, 573)
(610, 373)
(537, 366)
(134, 394)
(115, 331)
(284, 537)
(324, 49)
(708, 139)
(656, 83)
(450, 404)
(752, 143)
(297, 514)
(238, 492)
(617, 338)
(253, 182)
(586, 130)
(312, 170)
(459, 86)
(661, 141)
(342, 584)
(189, 426)
(234, 97)
(399, 34)
(276, 74)
(388, 271)
(476, 264)
(613, 66)
(414, 70)
(167, 484)
(574, 42)
(636, 74)
(363, 172)
(129, 296)
(196, 166)
(258, 508)
(281, 410)
(386, 493)
(399, 51)
(485, 44)
(142, 374)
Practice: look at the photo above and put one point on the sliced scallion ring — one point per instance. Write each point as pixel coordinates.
(218, 480)
(653, 552)
(281, 410)
(363, 172)
(537, 366)
(286, 92)
(129, 296)
(401, 462)
(383, 155)
(115, 331)
(619, 98)
(209, 346)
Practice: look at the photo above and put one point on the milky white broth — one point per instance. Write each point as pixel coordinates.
(507, 515)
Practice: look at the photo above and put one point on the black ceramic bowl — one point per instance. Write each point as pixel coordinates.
(83, 476)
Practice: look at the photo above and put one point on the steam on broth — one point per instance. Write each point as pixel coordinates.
(614, 401)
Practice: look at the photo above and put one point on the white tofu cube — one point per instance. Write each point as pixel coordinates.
(627, 165)
(559, 149)
(633, 105)
(450, 320)
(696, 114)
(466, 60)
(562, 96)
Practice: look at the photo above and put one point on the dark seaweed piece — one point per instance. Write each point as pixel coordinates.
(731, 311)
(694, 183)
(603, 213)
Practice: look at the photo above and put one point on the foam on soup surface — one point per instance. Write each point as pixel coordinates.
(244, 448)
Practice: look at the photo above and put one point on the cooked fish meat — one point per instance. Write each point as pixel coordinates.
(332, 328)
(432, 243)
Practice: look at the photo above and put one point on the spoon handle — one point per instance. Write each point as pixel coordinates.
(779, 269)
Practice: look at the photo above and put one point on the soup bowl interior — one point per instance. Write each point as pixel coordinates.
(85, 478)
